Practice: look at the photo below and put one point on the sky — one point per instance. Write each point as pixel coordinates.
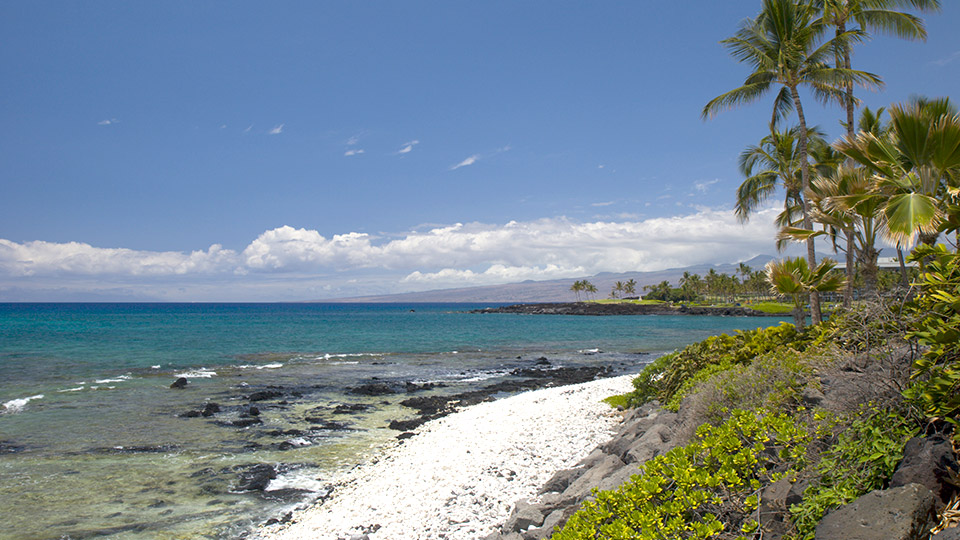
(283, 151)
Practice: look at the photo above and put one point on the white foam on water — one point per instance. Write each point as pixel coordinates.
(16, 405)
(121, 378)
(155, 367)
(271, 366)
(588, 351)
(202, 373)
(298, 479)
(77, 389)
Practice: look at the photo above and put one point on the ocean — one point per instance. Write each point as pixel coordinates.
(94, 443)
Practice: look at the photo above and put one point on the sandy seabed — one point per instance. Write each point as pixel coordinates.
(459, 477)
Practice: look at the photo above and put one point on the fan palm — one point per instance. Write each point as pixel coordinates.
(916, 169)
(793, 277)
(783, 45)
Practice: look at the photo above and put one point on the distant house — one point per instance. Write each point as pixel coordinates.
(882, 263)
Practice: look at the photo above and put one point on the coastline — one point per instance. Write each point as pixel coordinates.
(460, 476)
(596, 309)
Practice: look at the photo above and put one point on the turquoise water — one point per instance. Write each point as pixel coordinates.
(93, 444)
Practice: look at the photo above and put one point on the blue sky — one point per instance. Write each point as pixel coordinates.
(304, 150)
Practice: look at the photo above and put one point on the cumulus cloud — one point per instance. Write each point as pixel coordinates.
(276, 130)
(469, 161)
(497, 273)
(449, 255)
(407, 147)
(353, 152)
(76, 258)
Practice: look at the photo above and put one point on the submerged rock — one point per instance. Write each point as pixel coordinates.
(255, 477)
(264, 395)
(210, 409)
(372, 389)
(180, 383)
(351, 408)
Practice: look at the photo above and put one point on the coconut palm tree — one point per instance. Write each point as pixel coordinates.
(870, 15)
(630, 287)
(589, 288)
(793, 277)
(784, 46)
(617, 290)
(577, 288)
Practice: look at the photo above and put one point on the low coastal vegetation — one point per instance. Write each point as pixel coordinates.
(819, 414)
(757, 399)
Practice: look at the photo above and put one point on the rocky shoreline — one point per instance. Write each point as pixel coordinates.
(597, 309)
(922, 485)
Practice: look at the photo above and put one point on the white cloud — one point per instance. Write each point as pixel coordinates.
(497, 273)
(703, 186)
(947, 59)
(107, 122)
(407, 147)
(605, 203)
(276, 130)
(248, 128)
(353, 152)
(353, 140)
(76, 258)
(469, 161)
(454, 254)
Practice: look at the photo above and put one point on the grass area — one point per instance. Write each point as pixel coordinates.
(772, 307)
(618, 301)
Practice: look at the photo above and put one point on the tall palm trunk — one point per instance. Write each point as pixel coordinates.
(848, 85)
(851, 257)
(851, 133)
(904, 280)
(815, 316)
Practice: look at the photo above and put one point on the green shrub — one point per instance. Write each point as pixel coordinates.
(706, 489)
(665, 377)
(773, 381)
(863, 459)
(936, 374)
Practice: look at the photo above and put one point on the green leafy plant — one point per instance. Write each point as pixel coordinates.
(667, 375)
(936, 374)
(706, 489)
(863, 459)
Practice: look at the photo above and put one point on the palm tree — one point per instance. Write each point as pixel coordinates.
(783, 46)
(577, 288)
(915, 167)
(793, 277)
(876, 15)
(617, 291)
(630, 287)
(773, 163)
(589, 288)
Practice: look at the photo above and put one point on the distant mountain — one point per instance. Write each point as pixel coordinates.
(556, 290)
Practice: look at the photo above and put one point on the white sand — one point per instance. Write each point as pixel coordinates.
(460, 476)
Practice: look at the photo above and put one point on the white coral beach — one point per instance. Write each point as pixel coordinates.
(459, 477)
